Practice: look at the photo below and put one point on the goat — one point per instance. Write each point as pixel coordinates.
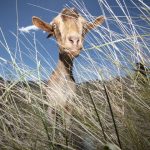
(69, 29)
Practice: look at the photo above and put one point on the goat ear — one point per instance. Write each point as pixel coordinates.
(98, 21)
(41, 24)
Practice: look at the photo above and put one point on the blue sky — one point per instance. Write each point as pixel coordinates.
(28, 8)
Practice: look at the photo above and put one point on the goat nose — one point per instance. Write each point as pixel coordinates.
(74, 40)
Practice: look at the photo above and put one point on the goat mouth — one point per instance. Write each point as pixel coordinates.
(73, 49)
(72, 52)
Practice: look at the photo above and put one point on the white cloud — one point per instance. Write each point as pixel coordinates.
(28, 28)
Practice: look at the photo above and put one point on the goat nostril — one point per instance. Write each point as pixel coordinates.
(74, 40)
(71, 40)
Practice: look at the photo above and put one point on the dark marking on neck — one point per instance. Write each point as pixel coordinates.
(68, 63)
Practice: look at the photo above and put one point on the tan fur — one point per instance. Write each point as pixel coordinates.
(69, 29)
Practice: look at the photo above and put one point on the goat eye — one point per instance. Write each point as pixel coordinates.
(54, 26)
(84, 29)
(85, 26)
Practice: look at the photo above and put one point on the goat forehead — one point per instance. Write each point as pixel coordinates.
(72, 23)
(68, 25)
(79, 20)
(71, 26)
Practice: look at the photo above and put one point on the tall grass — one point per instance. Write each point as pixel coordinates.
(111, 109)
